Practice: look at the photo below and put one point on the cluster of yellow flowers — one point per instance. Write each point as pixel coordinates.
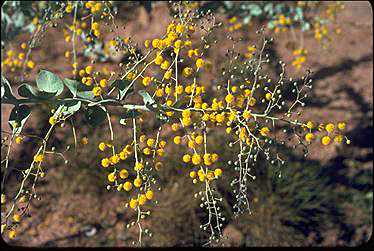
(251, 49)
(14, 61)
(300, 57)
(282, 23)
(169, 73)
(321, 31)
(330, 129)
(234, 24)
(16, 219)
(333, 9)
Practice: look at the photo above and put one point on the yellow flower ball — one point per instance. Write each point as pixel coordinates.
(97, 33)
(207, 159)
(246, 114)
(264, 131)
(142, 199)
(188, 43)
(175, 127)
(160, 92)
(199, 139)
(95, 26)
(89, 81)
(123, 174)
(179, 89)
(179, 28)
(82, 73)
(147, 151)
(12, 234)
(159, 59)
(187, 72)
(39, 158)
(268, 96)
(196, 159)
(160, 152)
(177, 140)
(112, 177)
(167, 75)
(88, 69)
(156, 43)
(19, 140)
(52, 120)
(200, 63)
(138, 166)
(127, 186)
(115, 159)
(252, 102)
(165, 65)
(186, 113)
(330, 127)
(187, 121)
(123, 155)
(206, 117)
(338, 139)
(191, 144)
(162, 143)
(103, 83)
(214, 157)
(326, 140)
(3, 198)
(147, 81)
(102, 146)
(147, 43)
(309, 137)
(341, 126)
(105, 162)
(310, 125)
(220, 117)
(229, 98)
(149, 194)
(210, 175)
(186, 158)
(133, 203)
(191, 29)
(96, 91)
(150, 142)
(178, 43)
(137, 182)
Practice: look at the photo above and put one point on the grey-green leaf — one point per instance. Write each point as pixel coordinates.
(95, 115)
(124, 88)
(28, 91)
(146, 97)
(6, 92)
(18, 117)
(49, 82)
(305, 26)
(255, 10)
(78, 89)
(111, 102)
(71, 107)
